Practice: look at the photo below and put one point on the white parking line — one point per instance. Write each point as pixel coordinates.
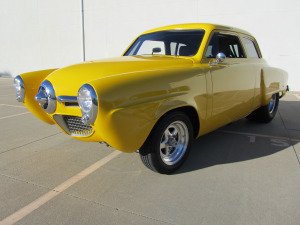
(15, 217)
(259, 135)
(17, 106)
(20, 114)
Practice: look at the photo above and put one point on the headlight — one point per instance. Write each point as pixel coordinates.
(46, 97)
(20, 89)
(88, 103)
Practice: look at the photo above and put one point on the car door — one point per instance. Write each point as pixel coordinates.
(233, 80)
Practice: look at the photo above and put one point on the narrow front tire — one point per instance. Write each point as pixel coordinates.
(169, 143)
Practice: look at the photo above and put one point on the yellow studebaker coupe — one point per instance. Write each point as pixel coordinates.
(172, 85)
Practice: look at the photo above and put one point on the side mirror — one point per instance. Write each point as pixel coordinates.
(220, 57)
(156, 50)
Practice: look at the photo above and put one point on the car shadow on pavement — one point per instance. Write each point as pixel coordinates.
(239, 141)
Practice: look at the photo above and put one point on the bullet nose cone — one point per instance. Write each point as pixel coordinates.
(41, 98)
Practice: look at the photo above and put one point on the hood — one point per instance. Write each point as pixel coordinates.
(68, 80)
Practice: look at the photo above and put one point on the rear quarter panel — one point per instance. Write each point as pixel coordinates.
(273, 80)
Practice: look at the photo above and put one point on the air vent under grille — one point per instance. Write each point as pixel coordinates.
(76, 127)
(73, 125)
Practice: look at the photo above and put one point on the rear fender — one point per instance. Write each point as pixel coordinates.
(273, 80)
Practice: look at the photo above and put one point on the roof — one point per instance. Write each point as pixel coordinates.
(204, 26)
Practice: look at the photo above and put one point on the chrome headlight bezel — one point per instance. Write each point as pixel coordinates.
(46, 97)
(88, 103)
(20, 89)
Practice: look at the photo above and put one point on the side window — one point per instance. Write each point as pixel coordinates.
(227, 44)
(148, 45)
(250, 48)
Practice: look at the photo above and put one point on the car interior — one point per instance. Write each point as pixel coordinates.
(227, 44)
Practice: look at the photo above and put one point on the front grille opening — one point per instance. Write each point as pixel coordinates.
(76, 126)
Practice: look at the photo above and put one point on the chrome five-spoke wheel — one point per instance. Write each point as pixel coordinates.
(174, 142)
(272, 103)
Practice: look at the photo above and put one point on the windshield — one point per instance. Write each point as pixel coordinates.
(175, 42)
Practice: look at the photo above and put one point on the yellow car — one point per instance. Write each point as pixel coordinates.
(172, 85)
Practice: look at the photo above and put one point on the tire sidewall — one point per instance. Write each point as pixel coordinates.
(272, 115)
(157, 134)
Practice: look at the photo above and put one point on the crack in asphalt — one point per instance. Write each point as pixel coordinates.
(20, 146)
(118, 209)
(25, 181)
(290, 139)
(86, 199)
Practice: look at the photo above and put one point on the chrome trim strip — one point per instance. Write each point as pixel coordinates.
(65, 98)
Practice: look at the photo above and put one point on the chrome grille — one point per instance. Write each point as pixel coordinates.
(76, 127)
(73, 125)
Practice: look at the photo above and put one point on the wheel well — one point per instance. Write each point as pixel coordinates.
(191, 112)
(187, 110)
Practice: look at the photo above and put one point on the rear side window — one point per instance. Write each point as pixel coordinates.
(250, 48)
(228, 44)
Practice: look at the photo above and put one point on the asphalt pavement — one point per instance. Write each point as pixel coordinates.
(243, 173)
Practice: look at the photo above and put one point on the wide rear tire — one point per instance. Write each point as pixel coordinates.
(266, 113)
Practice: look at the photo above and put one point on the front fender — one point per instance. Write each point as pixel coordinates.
(131, 105)
(32, 81)
(128, 128)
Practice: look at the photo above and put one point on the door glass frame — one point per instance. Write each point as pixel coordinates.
(227, 60)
